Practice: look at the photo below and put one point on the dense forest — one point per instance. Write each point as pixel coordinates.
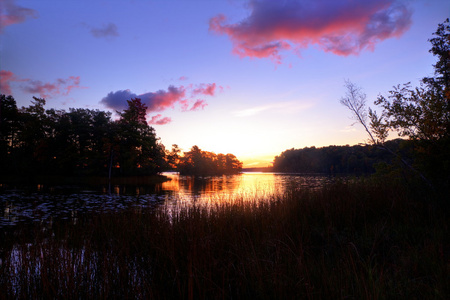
(347, 159)
(35, 141)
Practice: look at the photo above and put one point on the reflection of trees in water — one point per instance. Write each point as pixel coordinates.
(45, 203)
(134, 189)
(259, 184)
(209, 185)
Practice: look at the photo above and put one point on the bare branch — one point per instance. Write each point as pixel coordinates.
(355, 101)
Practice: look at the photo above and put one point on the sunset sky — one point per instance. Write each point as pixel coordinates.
(252, 78)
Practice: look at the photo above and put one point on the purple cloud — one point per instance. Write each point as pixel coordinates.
(44, 89)
(118, 100)
(108, 30)
(163, 99)
(11, 13)
(344, 27)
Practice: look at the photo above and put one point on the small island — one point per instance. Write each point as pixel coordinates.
(203, 163)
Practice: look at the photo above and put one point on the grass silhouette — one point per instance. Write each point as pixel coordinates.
(364, 239)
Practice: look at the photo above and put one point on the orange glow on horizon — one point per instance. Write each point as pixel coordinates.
(262, 161)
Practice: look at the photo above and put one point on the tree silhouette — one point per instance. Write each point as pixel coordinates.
(421, 114)
(9, 128)
(173, 157)
(140, 151)
(198, 162)
(35, 141)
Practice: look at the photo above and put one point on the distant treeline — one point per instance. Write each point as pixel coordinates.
(356, 159)
(35, 141)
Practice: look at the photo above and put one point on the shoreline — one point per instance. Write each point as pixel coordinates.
(88, 180)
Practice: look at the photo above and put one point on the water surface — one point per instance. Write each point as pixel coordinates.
(44, 203)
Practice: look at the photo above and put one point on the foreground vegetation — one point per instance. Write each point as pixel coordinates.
(372, 239)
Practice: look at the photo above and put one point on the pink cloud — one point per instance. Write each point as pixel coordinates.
(183, 96)
(159, 120)
(164, 99)
(11, 13)
(205, 89)
(75, 84)
(199, 104)
(344, 27)
(184, 105)
(5, 78)
(50, 90)
(37, 87)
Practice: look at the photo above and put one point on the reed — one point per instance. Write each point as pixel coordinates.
(364, 239)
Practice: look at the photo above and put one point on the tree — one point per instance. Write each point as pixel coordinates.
(35, 141)
(35, 129)
(377, 129)
(173, 157)
(9, 118)
(441, 49)
(421, 114)
(198, 162)
(135, 114)
(232, 164)
(357, 159)
(140, 151)
(355, 101)
(193, 162)
(9, 127)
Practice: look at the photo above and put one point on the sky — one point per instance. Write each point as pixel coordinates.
(252, 78)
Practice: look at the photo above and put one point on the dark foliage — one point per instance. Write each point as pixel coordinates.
(39, 142)
(198, 162)
(422, 114)
(356, 159)
(361, 240)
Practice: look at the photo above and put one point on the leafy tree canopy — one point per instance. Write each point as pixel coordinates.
(421, 114)
(198, 162)
(35, 141)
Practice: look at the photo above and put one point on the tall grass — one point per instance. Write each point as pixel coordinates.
(359, 240)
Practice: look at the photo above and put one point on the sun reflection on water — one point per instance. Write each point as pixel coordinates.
(48, 202)
(251, 186)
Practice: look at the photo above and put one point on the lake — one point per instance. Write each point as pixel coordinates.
(44, 203)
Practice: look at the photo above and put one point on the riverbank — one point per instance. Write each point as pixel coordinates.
(82, 180)
(369, 239)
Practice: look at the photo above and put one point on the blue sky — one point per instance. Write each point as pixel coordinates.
(252, 78)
